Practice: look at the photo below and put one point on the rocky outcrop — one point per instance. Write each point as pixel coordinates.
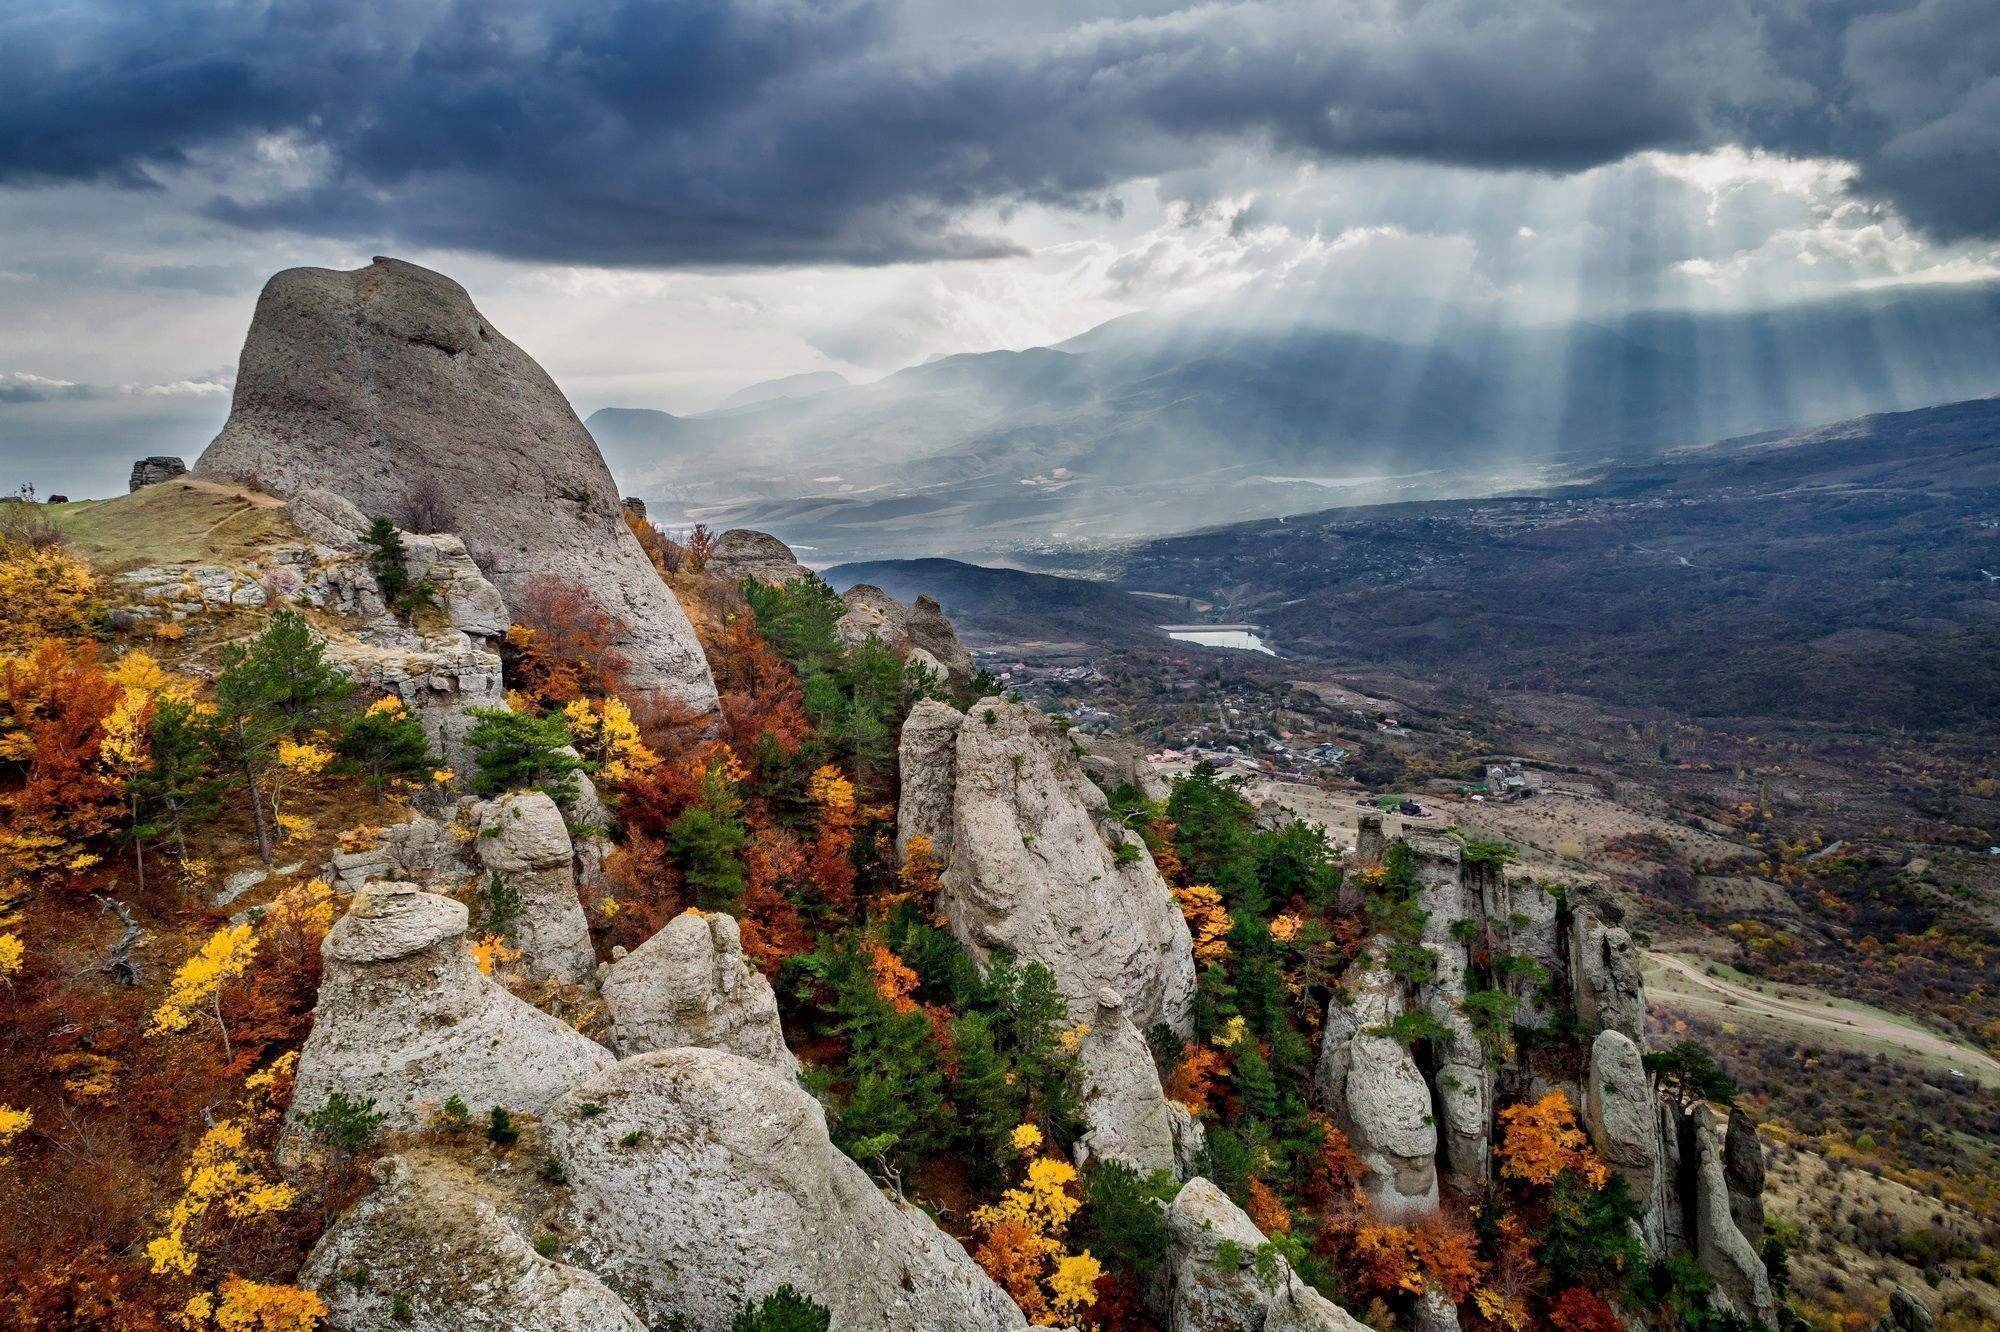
(928, 760)
(1604, 976)
(152, 471)
(420, 850)
(1743, 1168)
(1128, 1115)
(1372, 1086)
(690, 985)
(1907, 1313)
(700, 1181)
(1435, 1312)
(429, 1249)
(525, 847)
(741, 553)
(920, 630)
(1033, 867)
(404, 1018)
(1461, 1083)
(1624, 1123)
(385, 386)
(871, 612)
(1218, 1282)
(928, 630)
(1721, 1249)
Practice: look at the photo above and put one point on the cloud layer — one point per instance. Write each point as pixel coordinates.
(722, 133)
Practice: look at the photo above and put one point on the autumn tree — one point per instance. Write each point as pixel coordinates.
(54, 704)
(562, 646)
(386, 743)
(1539, 1140)
(48, 593)
(280, 684)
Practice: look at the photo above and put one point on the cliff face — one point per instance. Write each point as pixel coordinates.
(388, 388)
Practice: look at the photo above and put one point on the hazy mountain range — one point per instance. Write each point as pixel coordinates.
(1147, 425)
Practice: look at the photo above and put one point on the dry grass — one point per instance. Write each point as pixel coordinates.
(176, 522)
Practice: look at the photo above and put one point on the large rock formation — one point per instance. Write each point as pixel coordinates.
(1623, 1119)
(1461, 1080)
(701, 1181)
(387, 387)
(151, 471)
(525, 847)
(921, 630)
(741, 553)
(405, 1018)
(429, 1249)
(1129, 1116)
(1032, 866)
(1219, 1281)
(1370, 1083)
(690, 985)
(928, 760)
(1743, 1167)
(1604, 976)
(1722, 1249)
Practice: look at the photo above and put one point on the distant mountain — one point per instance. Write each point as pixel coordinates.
(1146, 425)
(991, 605)
(791, 386)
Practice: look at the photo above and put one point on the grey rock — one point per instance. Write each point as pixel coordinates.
(1604, 977)
(428, 1249)
(871, 612)
(927, 628)
(1129, 1116)
(1721, 1249)
(928, 760)
(1907, 1313)
(1461, 1079)
(387, 387)
(1214, 1283)
(1435, 1312)
(1372, 1086)
(1035, 869)
(1743, 1167)
(404, 1017)
(741, 553)
(1622, 1117)
(524, 843)
(152, 471)
(731, 1188)
(691, 985)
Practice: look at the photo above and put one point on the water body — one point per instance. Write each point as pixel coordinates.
(1243, 640)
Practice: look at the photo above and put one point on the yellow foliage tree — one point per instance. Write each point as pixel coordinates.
(13, 1123)
(48, 593)
(252, 1306)
(1022, 1241)
(198, 984)
(1540, 1140)
(10, 957)
(606, 734)
(218, 1179)
(1207, 920)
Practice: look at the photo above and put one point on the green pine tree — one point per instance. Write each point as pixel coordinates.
(384, 745)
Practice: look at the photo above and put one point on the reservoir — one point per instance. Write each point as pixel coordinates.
(1242, 637)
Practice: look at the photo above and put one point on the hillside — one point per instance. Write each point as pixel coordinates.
(998, 606)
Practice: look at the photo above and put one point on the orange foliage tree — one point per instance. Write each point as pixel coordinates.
(1540, 1139)
(53, 707)
(561, 647)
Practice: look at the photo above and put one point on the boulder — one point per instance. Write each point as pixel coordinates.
(1214, 1280)
(1129, 1116)
(406, 1019)
(930, 631)
(920, 630)
(740, 553)
(1372, 1086)
(700, 1181)
(690, 985)
(525, 846)
(152, 471)
(420, 850)
(871, 611)
(1743, 1168)
(1722, 1250)
(1434, 1312)
(387, 387)
(1604, 977)
(1034, 868)
(428, 1249)
(1907, 1313)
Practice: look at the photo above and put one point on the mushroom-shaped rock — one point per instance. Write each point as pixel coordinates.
(701, 1181)
(427, 1249)
(1129, 1116)
(1218, 1282)
(525, 845)
(1371, 1084)
(929, 764)
(690, 985)
(741, 553)
(1619, 1111)
(1034, 868)
(386, 386)
(406, 1019)
(1604, 977)
(1719, 1246)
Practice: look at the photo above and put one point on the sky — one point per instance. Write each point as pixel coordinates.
(664, 202)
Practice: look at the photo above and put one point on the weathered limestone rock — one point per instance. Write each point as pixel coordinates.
(1213, 1289)
(441, 678)
(1524, 914)
(524, 843)
(1604, 976)
(1034, 869)
(1721, 1249)
(690, 985)
(1435, 1312)
(741, 553)
(176, 591)
(929, 763)
(1907, 1313)
(420, 850)
(921, 630)
(1623, 1120)
(1461, 1080)
(929, 630)
(387, 387)
(405, 1018)
(1743, 1167)
(1373, 1088)
(731, 1188)
(427, 1249)
(1129, 1115)
(870, 610)
(152, 471)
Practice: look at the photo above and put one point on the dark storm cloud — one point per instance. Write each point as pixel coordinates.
(768, 131)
